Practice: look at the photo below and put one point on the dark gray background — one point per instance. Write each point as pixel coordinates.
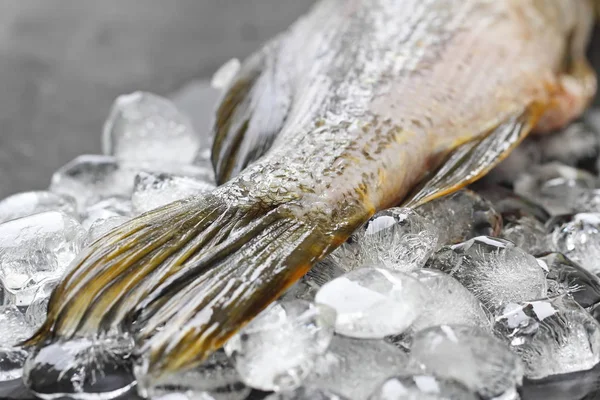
(62, 62)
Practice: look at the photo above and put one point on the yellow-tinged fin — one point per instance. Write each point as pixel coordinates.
(251, 113)
(183, 278)
(475, 158)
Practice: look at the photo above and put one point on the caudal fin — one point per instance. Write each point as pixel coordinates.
(182, 279)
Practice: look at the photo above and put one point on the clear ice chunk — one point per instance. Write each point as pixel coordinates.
(153, 190)
(461, 216)
(279, 348)
(91, 178)
(494, 270)
(13, 326)
(565, 276)
(578, 237)
(555, 186)
(308, 286)
(306, 393)
(108, 208)
(11, 363)
(36, 312)
(448, 302)
(552, 336)
(28, 203)
(33, 249)
(355, 368)
(576, 144)
(397, 238)
(471, 356)
(527, 233)
(82, 368)
(146, 127)
(422, 387)
(215, 379)
(13, 329)
(102, 226)
(510, 205)
(372, 303)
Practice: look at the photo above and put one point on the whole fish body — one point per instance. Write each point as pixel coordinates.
(360, 105)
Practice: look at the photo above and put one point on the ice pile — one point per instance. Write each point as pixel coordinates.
(33, 249)
(397, 238)
(280, 347)
(76, 368)
(552, 336)
(372, 303)
(447, 301)
(461, 216)
(215, 379)
(487, 366)
(493, 269)
(149, 149)
(578, 237)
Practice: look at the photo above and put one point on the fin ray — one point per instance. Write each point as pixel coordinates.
(473, 159)
(251, 113)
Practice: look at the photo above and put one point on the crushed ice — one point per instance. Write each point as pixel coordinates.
(458, 299)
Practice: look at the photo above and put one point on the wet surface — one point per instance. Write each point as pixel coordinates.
(61, 67)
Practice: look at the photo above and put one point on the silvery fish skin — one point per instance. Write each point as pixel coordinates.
(360, 105)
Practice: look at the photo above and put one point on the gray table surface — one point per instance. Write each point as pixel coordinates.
(62, 62)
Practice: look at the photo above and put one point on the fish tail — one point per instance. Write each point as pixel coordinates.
(183, 278)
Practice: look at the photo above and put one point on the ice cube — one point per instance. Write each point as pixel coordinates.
(552, 336)
(397, 238)
(28, 203)
(461, 216)
(279, 348)
(153, 190)
(588, 201)
(215, 379)
(448, 302)
(36, 312)
(471, 356)
(13, 330)
(13, 326)
(373, 302)
(355, 368)
(578, 237)
(308, 286)
(577, 144)
(527, 233)
(146, 127)
(555, 186)
(306, 393)
(11, 363)
(510, 205)
(82, 368)
(565, 276)
(111, 207)
(101, 227)
(91, 178)
(422, 387)
(494, 270)
(35, 248)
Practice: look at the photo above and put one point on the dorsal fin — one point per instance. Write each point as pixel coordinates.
(251, 113)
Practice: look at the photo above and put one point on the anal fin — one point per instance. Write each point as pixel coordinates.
(472, 160)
